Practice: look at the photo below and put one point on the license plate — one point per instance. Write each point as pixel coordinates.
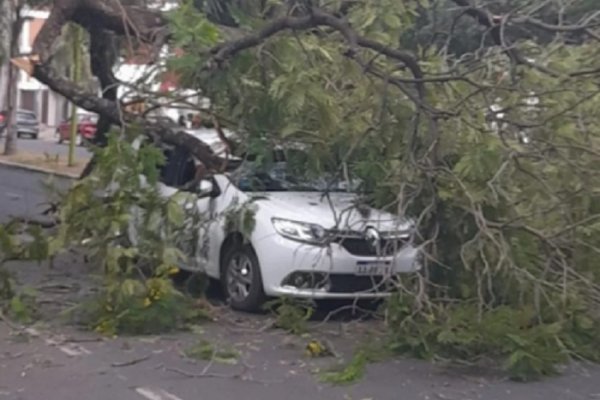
(377, 268)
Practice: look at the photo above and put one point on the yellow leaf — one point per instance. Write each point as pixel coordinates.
(314, 348)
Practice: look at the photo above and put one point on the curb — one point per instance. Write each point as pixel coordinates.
(41, 170)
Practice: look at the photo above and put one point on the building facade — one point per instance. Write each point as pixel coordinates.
(50, 107)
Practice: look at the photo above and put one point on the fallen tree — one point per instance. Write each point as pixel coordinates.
(494, 151)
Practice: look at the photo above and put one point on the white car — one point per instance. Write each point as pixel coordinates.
(265, 235)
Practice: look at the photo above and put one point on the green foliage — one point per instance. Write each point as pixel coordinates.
(240, 218)
(349, 373)
(20, 242)
(6, 286)
(133, 307)
(510, 227)
(291, 315)
(353, 370)
(22, 307)
(205, 350)
(136, 236)
(530, 346)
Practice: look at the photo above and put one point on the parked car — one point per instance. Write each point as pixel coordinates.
(26, 124)
(86, 128)
(302, 244)
(166, 121)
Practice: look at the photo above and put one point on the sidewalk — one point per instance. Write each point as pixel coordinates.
(48, 133)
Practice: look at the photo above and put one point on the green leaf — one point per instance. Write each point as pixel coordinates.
(175, 213)
(392, 20)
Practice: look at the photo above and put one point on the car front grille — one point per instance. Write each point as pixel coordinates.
(360, 246)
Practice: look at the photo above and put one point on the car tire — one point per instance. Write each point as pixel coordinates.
(34, 136)
(241, 278)
(19, 135)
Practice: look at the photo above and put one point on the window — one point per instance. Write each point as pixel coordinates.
(180, 169)
(26, 116)
(166, 167)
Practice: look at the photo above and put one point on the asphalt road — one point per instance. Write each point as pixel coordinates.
(25, 193)
(54, 361)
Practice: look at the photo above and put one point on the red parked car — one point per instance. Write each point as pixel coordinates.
(86, 128)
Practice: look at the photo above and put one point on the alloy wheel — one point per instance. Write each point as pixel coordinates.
(239, 277)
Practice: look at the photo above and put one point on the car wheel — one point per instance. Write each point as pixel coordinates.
(34, 136)
(241, 279)
(19, 135)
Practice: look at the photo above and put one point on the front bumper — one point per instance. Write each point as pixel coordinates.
(280, 258)
(318, 294)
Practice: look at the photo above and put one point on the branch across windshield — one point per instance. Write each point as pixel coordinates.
(278, 177)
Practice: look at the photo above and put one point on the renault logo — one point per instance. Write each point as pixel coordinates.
(373, 238)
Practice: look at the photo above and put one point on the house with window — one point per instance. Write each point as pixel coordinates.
(50, 107)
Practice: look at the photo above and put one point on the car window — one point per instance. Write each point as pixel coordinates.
(180, 169)
(88, 118)
(162, 120)
(25, 116)
(167, 167)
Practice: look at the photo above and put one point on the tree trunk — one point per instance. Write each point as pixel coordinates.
(10, 144)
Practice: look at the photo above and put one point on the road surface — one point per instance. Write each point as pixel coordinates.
(24, 193)
(54, 361)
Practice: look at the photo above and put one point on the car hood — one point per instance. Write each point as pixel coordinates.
(340, 211)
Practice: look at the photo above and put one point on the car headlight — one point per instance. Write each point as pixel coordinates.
(300, 231)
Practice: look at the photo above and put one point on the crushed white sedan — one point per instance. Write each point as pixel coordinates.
(266, 234)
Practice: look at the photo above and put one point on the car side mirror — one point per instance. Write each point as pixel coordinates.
(207, 188)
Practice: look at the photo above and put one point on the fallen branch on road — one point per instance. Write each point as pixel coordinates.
(206, 374)
(130, 362)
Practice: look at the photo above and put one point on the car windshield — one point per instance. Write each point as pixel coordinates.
(278, 177)
(25, 116)
(88, 118)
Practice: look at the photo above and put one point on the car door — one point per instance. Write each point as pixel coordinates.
(200, 215)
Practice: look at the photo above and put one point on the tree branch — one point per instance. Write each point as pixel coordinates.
(100, 18)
